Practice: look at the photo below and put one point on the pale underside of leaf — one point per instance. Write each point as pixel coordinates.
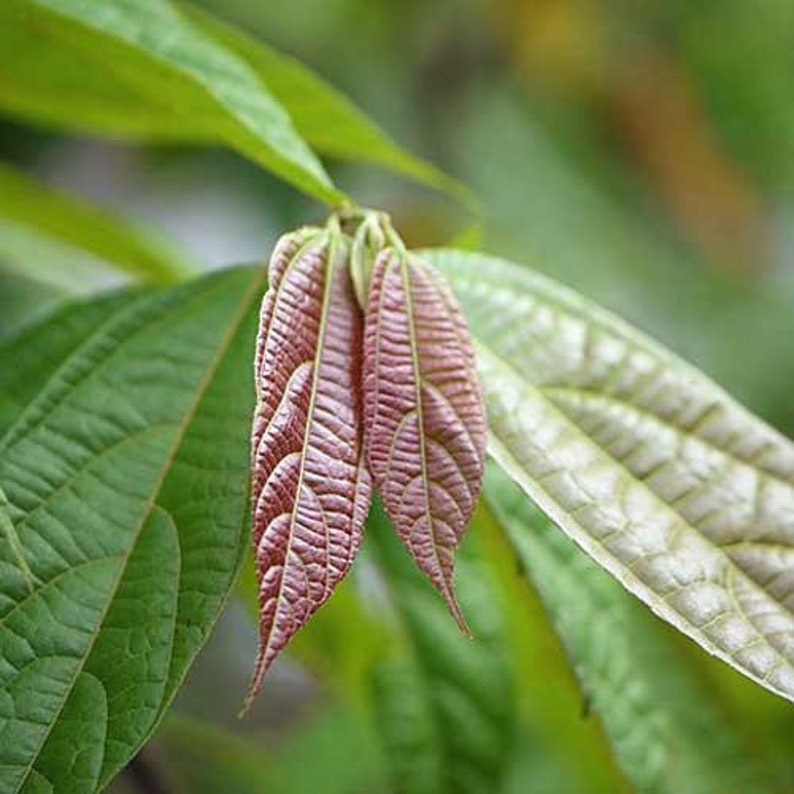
(425, 426)
(652, 469)
(668, 731)
(311, 489)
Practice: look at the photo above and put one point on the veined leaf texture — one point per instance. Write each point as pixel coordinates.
(344, 401)
(311, 490)
(423, 413)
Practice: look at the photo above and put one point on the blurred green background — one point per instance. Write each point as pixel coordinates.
(640, 152)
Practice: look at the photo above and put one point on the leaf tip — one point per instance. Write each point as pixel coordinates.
(261, 666)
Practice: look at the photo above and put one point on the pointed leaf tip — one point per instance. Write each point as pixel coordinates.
(310, 490)
(424, 419)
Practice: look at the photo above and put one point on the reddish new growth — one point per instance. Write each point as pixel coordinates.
(403, 393)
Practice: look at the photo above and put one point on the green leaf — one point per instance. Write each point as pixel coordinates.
(9, 541)
(446, 706)
(22, 300)
(126, 475)
(669, 484)
(668, 732)
(46, 80)
(69, 221)
(37, 784)
(159, 55)
(30, 358)
(325, 117)
(78, 736)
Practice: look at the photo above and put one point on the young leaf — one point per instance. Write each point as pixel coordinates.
(423, 415)
(67, 220)
(160, 55)
(445, 703)
(311, 489)
(680, 493)
(668, 732)
(126, 476)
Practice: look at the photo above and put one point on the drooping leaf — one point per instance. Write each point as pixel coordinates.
(341, 642)
(126, 474)
(67, 220)
(675, 489)
(160, 55)
(423, 415)
(311, 489)
(326, 118)
(445, 702)
(46, 80)
(668, 732)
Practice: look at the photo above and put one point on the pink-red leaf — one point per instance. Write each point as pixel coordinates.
(424, 420)
(311, 489)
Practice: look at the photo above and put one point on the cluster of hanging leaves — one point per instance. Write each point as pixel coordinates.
(365, 376)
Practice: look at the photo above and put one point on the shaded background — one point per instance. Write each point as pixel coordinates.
(640, 152)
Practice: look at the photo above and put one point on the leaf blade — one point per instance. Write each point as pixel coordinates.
(325, 117)
(77, 100)
(155, 50)
(668, 731)
(84, 466)
(66, 219)
(423, 415)
(307, 459)
(656, 489)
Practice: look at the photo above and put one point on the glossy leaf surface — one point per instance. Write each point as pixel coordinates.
(123, 457)
(324, 116)
(423, 415)
(158, 54)
(311, 489)
(46, 80)
(675, 489)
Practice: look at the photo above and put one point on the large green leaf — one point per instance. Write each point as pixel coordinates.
(161, 56)
(54, 215)
(47, 81)
(22, 300)
(652, 469)
(126, 474)
(446, 705)
(667, 730)
(326, 118)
